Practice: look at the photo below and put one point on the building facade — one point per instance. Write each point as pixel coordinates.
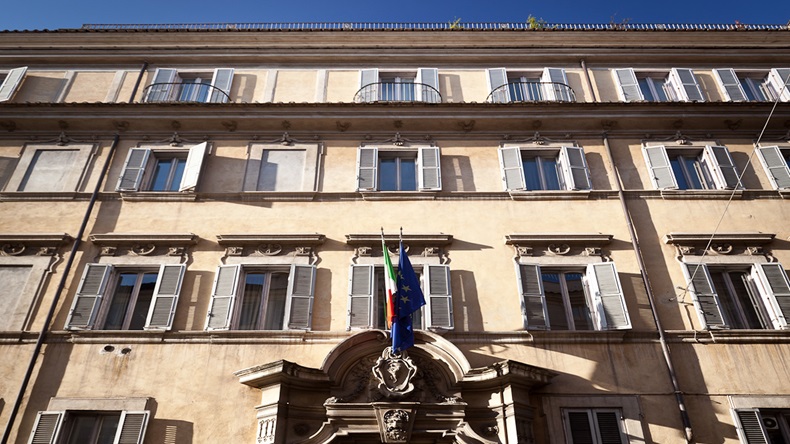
(190, 223)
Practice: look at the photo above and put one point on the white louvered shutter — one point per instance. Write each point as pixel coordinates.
(751, 428)
(730, 85)
(89, 296)
(497, 81)
(574, 169)
(11, 83)
(775, 291)
(222, 81)
(131, 427)
(429, 77)
(360, 297)
(223, 296)
(46, 429)
(299, 304)
(704, 296)
(439, 296)
(165, 300)
(367, 169)
(776, 166)
(164, 86)
(608, 301)
(627, 85)
(369, 77)
(719, 162)
(555, 85)
(661, 173)
(133, 170)
(778, 78)
(533, 299)
(429, 166)
(512, 169)
(192, 168)
(685, 85)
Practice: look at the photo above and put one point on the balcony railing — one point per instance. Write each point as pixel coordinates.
(517, 92)
(184, 92)
(397, 92)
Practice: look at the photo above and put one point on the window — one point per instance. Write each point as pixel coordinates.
(171, 85)
(764, 425)
(594, 426)
(419, 86)
(710, 167)
(153, 169)
(50, 168)
(366, 307)
(402, 170)
(550, 84)
(776, 161)
(553, 169)
(755, 296)
(572, 298)
(90, 427)
(756, 87)
(247, 297)
(679, 85)
(282, 168)
(10, 81)
(126, 298)
(13, 280)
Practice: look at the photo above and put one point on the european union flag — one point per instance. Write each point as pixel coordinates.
(409, 300)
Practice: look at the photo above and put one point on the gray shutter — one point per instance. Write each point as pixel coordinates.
(133, 170)
(497, 77)
(704, 296)
(775, 291)
(360, 297)
(46, 428)
(778, 78)
(223, 296)
(533, 300)
(574, 168)
(11, 82)
(369, 77)
(685, 85)
(608, 300)
(429, 77)
(429, 166)
(607, 424)
(163, 87)
(299, 305)
(661, 173)
(628, 85)
(192, 168)
(439, 296)
(367, 169)
(555, 85)
(730, 85)
(89, 296)
(165, 300)
(222, 80)
(775, 165)
(512, 169)
(720, 164)
(131, 428)
(751, 426)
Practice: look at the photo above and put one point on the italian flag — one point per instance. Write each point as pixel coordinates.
(389, 284)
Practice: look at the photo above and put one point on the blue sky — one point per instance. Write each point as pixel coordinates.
(54, 14)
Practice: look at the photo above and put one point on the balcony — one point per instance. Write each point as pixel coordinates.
(521, 92)
(184, 92)
(397, 92)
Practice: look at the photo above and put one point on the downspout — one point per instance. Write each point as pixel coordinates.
(589, 82)
(137, 83)
(684, 416)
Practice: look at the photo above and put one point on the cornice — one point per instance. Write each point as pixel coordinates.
(592, 239)
(309, 239)
(439, 239)
(755, 238)
(117, 239)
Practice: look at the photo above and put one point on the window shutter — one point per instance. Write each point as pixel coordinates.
(429, 77)
(439, 296)
(778, 78)
(775, 165)
(730, 85)
(608, 301)
(628, 85)
(497, 77)
(555, 85)
(533, 300)
(165, 300)
(723, 168)
(574, 168)
(751, 426)
(660, 169)
(46, 428)
(775, 291)
(11, 83)
(512, 169)
(223, 297)
(222, 80)
(369, 77)
(89, 295)
(608, 426)
(163, 86)
(685, 85)
(579, 425)
(360, 298)
(367, 169)
(131, 427)
(192, 169)
(704, 296)
(301, 289)
(133, 170)
(429, 165)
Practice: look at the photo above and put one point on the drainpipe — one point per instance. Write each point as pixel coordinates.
(684, 416)
(589, 82)
(137, 83)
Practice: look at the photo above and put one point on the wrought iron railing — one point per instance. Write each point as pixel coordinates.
(515, 92)
(184, 92)
(397, 92)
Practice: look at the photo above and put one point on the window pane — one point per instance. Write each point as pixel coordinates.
(178, 174)
(275, 304)
(120, 301)
(251, 301)
(659, 86)
(143, 303)
(558, 319)
(109, 425)
(408, 174)
(578, 301)
(531, 174)
(549, 166)
(82, 429)
(161, 175)
(644, 85)
(677, 169)
(388, 175)
(747, 299)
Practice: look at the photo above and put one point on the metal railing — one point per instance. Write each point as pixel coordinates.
(517, 92)
(184, 92)
(397, 92)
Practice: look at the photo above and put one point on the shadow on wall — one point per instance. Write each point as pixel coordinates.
(7, 165)
(170, 431)
(450, 84)
(39, 89)
(457, 174)
(244, 88)
(600, 174)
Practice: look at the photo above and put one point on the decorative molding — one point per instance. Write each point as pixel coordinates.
(300, 244)
(559, 244)
(437, 240)
(44, 244)
(144, 244)
(692, 244)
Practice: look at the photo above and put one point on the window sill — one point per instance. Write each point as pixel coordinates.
(550, 195)
(44, 195)
(163, 196)
(255, 196)
(730, 336)
(695, 194)
(398, 195)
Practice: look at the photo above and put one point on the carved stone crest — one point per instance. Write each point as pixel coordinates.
(394, 374)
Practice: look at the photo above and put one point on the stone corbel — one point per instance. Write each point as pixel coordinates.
(592, 251)
(364, 251)
(431, 251)
(522, 250)
(755, 251)
(266, 430)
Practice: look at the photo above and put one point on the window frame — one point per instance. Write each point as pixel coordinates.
(55, 426)
(73, 181)
(631, 419)
(255, 152)
(139, 168)
(418, 77)
(221, 78)
(498, 77)
(511, 165)
(428, 167)
(717, 172)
